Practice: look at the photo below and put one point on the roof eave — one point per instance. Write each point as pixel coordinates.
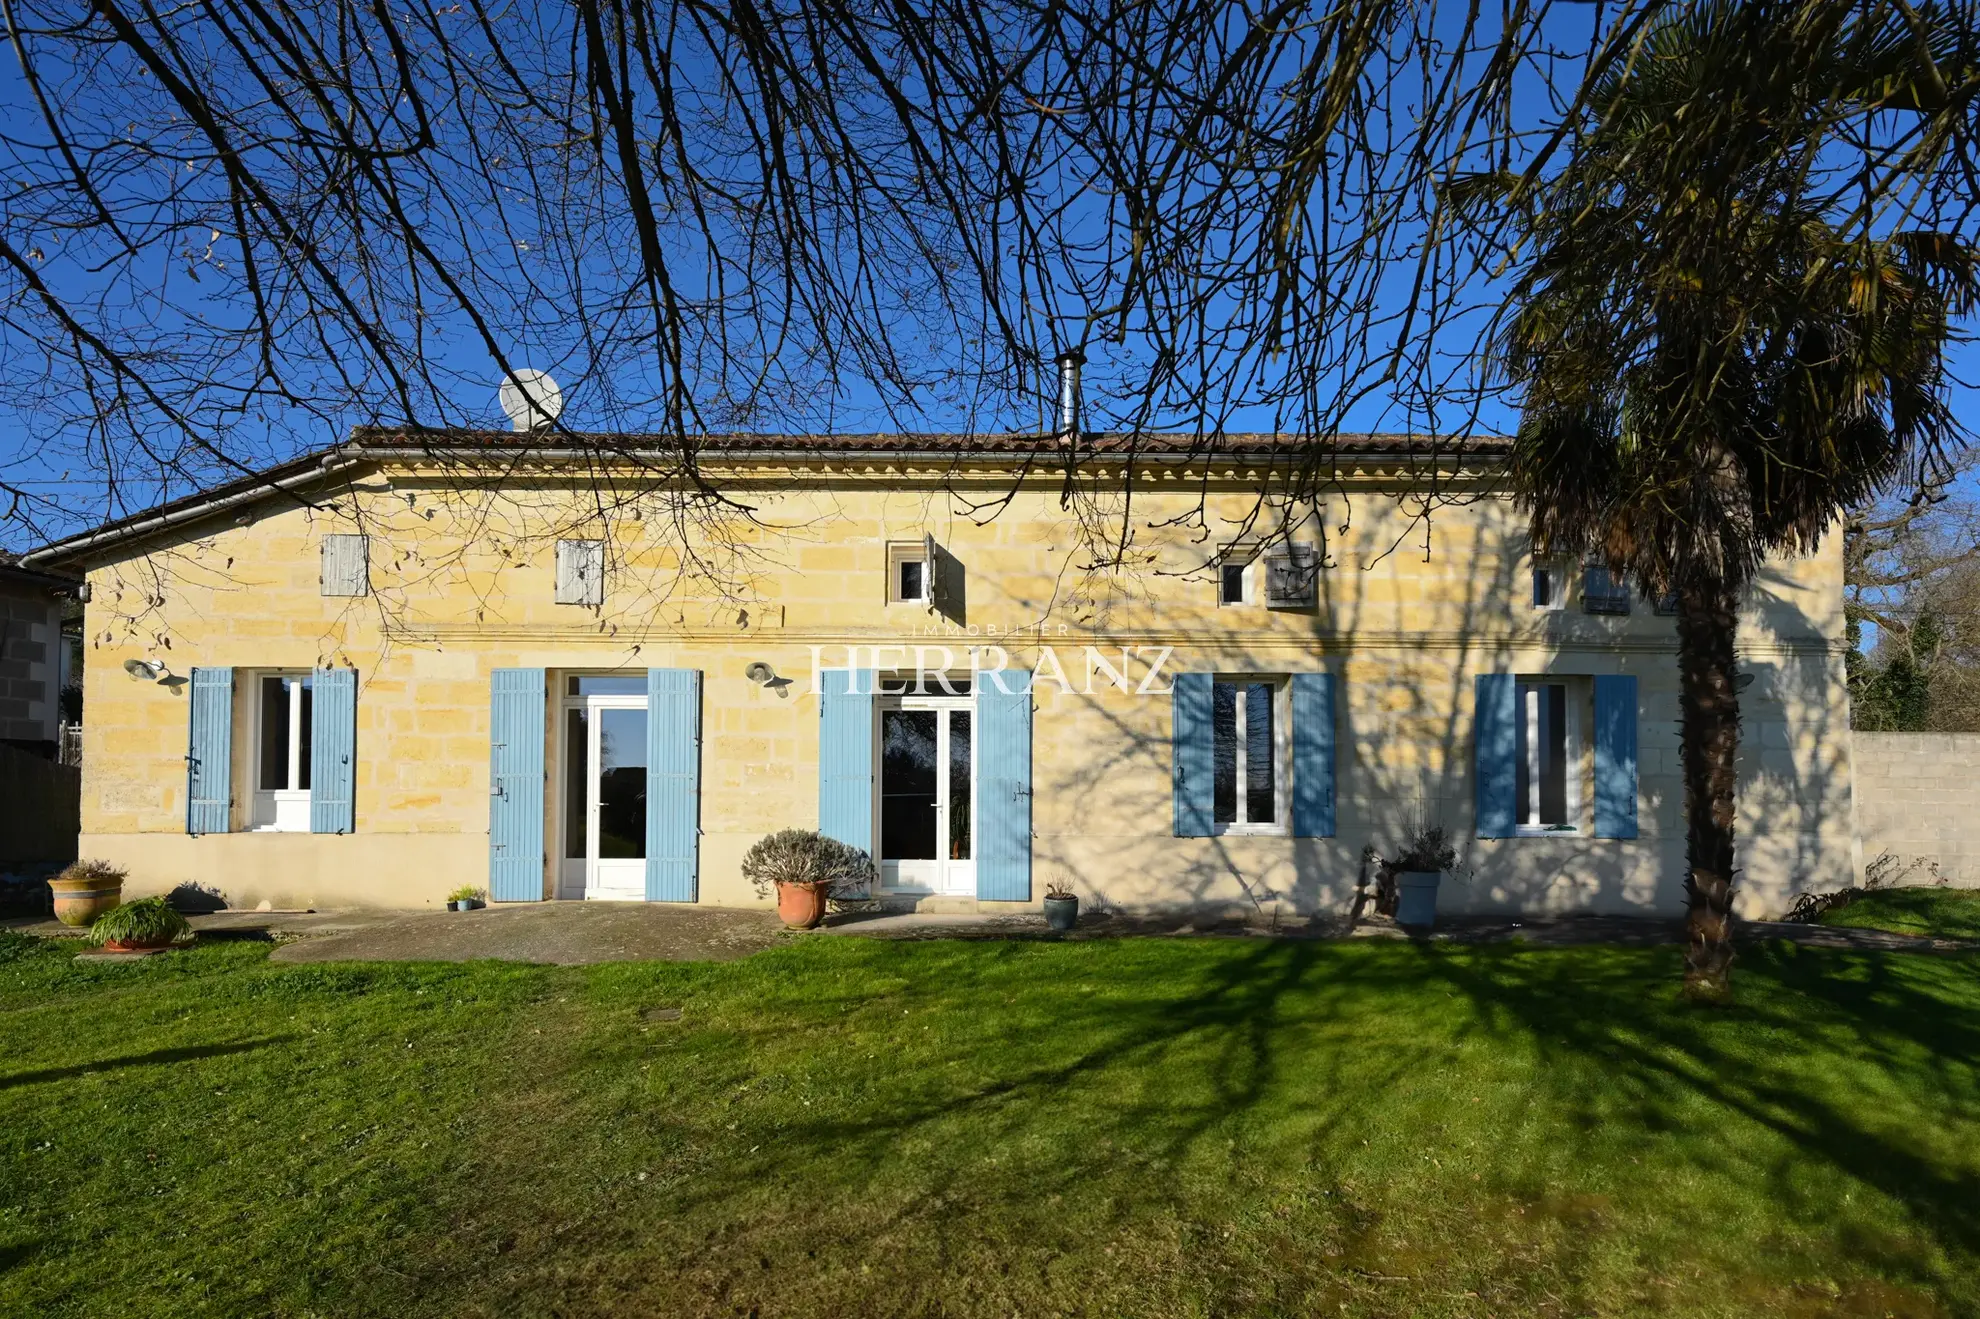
(365, 446)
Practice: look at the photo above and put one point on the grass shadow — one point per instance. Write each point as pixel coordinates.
(155, 1058)
(1813, 1037)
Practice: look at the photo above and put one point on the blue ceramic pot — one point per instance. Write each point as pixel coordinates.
(1416, 898)
(1062, 913)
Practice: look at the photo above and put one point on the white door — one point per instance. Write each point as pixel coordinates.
(927, 795)
(604, 815)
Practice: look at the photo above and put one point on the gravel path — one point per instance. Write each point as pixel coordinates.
(564, 933)
(572, 933)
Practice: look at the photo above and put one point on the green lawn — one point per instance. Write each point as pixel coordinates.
(1948, 913)
(852, 1127)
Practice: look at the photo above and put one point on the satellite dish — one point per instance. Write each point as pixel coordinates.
(532, 399)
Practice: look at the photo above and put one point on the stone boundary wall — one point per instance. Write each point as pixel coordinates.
(1918, 807)
(40, 808)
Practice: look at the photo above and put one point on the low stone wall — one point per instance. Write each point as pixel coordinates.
(1918, 807)
(40, 808)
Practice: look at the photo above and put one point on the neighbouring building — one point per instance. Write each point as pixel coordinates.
(418, 660)
(34, 656)
(38, 796)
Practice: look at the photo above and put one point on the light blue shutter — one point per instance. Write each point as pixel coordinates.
(1313, 755)
(516, 733)
(845, 757)
(210, 752)
(1003, 787)
(673, 783)
(1191, 746)
(1615, 756)
(1497, 733)
(332, 751)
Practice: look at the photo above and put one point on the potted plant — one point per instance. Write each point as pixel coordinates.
(142, 926)
(465, 898)
(86, 890)
(1061, 905)
(805, 868)
(1413, 874)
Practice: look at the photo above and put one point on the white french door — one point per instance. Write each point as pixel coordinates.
(604, 791)
(927, 758)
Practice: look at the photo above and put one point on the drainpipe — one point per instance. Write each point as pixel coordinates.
(1070, 361)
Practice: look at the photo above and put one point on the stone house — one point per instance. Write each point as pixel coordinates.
(417, 660)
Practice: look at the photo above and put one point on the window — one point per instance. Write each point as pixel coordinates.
(1233, 583)
(1248, 791)
(346, 566)
(607, 684)
(923, 682)
(1601, 593)
(910, 571)
(1666, 604)
(1549, 759)
(580, 572)
(1292, 577)
(1549, 586)
(282, 735)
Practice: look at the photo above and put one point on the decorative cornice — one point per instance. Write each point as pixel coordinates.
(1332, 644)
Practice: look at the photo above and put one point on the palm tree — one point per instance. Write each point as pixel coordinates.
(1715, 355)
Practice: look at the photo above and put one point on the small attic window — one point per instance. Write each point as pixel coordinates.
(1549, 586)
(910, 571)
(1238, 573)
(346, 566)
(1231, 583)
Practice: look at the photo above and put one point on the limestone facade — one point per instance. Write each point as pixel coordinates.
(1415, 600)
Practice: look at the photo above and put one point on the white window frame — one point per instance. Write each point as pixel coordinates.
(1280, 824)
(590, 876)
(266, 805)
(911, 551)
(942, 877)
(1528, 714)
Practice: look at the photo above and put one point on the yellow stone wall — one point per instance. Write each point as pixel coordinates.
(1413, 607)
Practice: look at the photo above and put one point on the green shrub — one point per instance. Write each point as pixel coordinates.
(467, 893)
(800, 856)
(1429, 851)
(148, 920)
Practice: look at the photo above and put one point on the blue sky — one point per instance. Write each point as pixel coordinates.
(170, 292)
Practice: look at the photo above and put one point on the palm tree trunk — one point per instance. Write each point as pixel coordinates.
(1706, 621)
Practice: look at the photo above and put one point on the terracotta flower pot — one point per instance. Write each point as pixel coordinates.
(801, 906)
(134, 946)
(81, 901)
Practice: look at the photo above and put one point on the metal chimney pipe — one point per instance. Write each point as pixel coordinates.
(1070, 361)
